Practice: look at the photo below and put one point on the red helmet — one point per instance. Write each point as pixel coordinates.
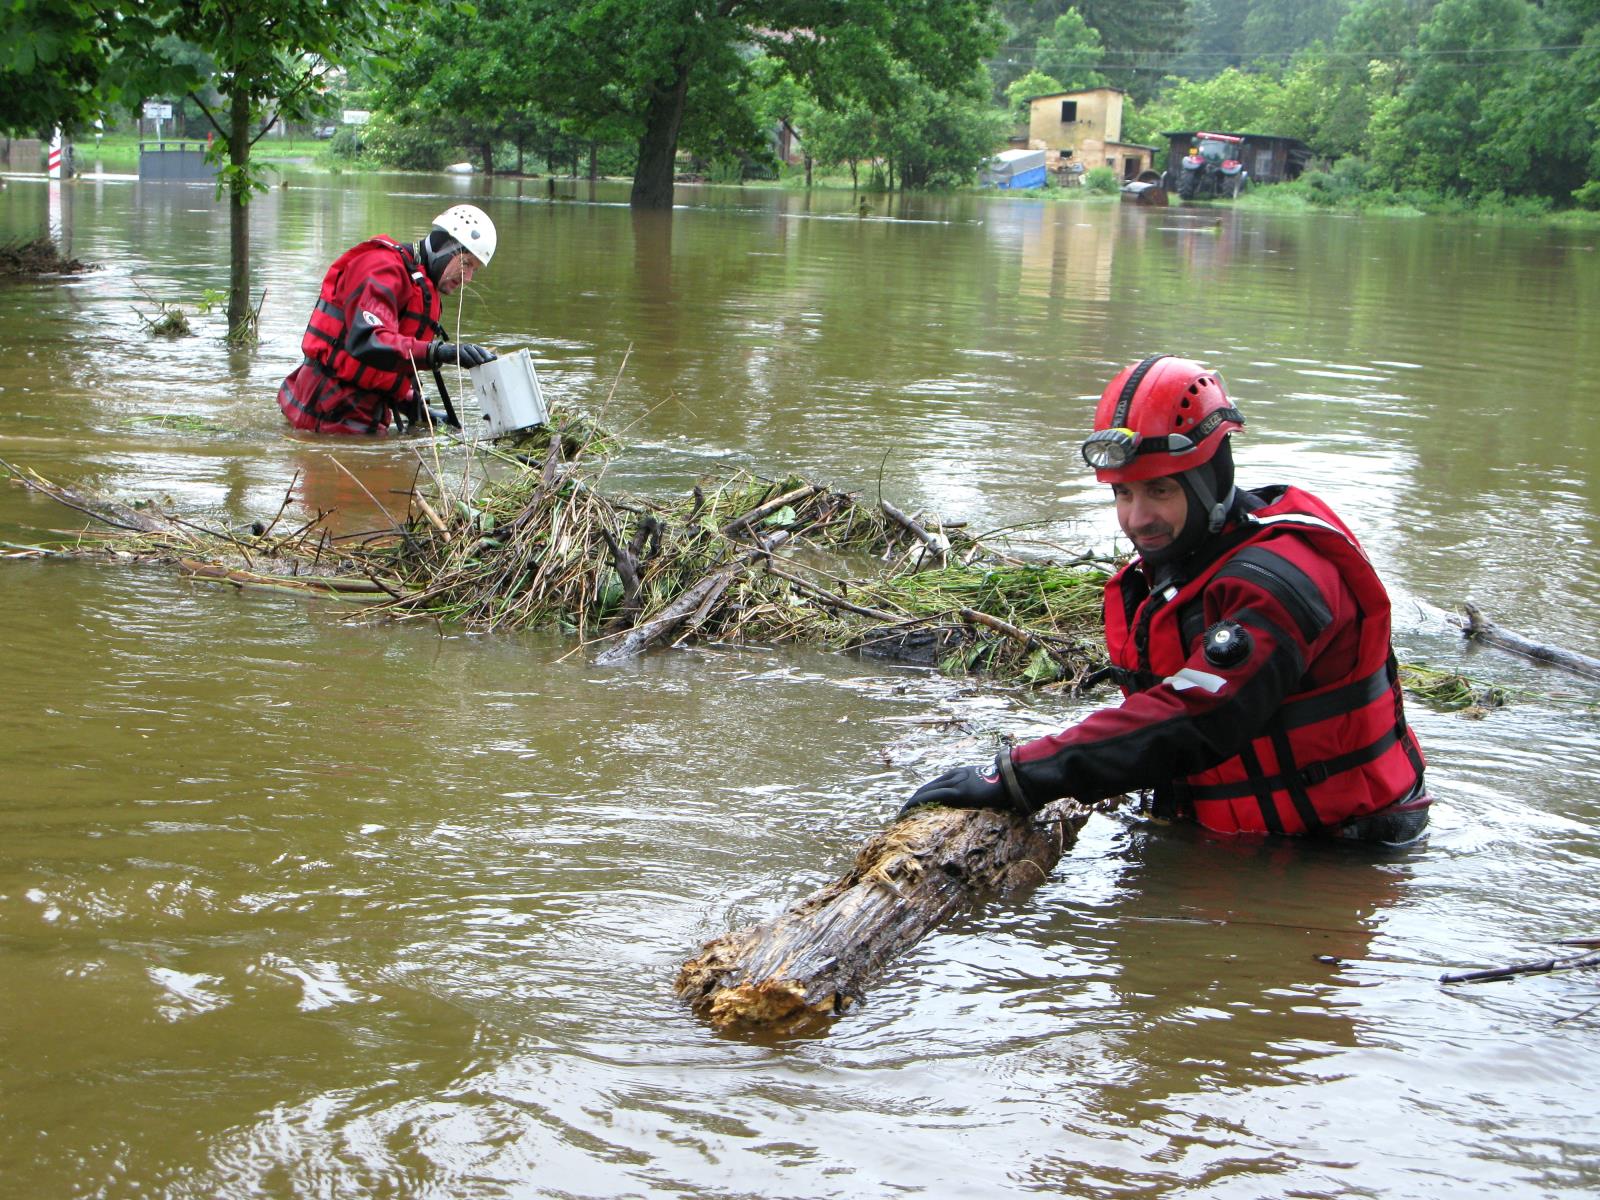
(1162, 416)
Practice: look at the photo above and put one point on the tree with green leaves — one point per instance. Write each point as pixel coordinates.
(1234, 101)
(1428, 134)
(1070, 53)
(1022, 90)
(1140, 38)
(927, 135)
(269, 60)
(679, 73)
(843, 134)
(1276, 29)
(457, 88)
(67, 63)
(245, 63)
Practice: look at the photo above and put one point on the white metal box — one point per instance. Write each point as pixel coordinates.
(508, 394)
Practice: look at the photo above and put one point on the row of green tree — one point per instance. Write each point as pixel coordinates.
(1465, 97)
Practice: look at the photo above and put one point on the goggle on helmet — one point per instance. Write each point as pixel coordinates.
(1161, 416)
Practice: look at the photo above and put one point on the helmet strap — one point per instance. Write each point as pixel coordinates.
(436, 250)
(1131, 388)
(1211, 494)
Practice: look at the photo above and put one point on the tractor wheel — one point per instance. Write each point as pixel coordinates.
(1187, 183)
(1237, 187)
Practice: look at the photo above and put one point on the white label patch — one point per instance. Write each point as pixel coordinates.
(1190, 678)
(371, 318)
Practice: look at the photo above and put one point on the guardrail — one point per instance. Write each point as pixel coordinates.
(175, 160)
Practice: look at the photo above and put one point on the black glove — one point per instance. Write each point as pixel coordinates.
(465, 353)
(970, 787)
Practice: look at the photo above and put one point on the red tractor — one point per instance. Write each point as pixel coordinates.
(1210, 170)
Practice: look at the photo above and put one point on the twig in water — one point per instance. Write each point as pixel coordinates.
(1544, 966)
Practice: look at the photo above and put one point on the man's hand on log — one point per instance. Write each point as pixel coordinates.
(993, 786)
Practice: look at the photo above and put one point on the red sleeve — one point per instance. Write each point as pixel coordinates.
(1204, 713)
(372, 318)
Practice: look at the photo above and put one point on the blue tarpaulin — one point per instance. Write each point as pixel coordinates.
(1015, 169)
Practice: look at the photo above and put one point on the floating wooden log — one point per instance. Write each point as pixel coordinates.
(1480, 628)
(817, 959)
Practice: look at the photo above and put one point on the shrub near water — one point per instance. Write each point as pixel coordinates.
(1100, 179)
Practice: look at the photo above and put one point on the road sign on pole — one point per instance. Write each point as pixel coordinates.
(157, 111)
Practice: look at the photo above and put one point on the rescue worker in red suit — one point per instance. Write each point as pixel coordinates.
(1250, 637)
(375, 328)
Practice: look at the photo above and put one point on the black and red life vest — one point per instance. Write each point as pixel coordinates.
(1332, 752)
(334, 391)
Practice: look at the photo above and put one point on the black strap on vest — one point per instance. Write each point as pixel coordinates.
(1341, 700)
(1306, 776)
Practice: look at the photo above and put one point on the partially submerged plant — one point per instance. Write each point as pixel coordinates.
(1450, 691)
(172, 321)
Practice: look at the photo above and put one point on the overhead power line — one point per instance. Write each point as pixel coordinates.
(1157, 58)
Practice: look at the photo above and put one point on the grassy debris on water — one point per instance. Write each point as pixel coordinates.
(36, 256)
(535, 543)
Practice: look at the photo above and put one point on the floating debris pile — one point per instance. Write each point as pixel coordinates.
(538, 545)
(37, 256)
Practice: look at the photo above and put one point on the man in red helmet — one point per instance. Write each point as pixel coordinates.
(376, 325)
(1250, 637)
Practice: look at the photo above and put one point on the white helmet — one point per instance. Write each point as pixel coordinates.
(471, 227)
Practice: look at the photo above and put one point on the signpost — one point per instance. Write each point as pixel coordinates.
(155, 110)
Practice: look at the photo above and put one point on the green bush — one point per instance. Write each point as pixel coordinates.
(1100, 179)
(346, 144)
(410, 147)
(1341, 183)
(1588, 196)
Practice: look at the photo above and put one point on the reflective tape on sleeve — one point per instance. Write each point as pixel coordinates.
(1191, 678)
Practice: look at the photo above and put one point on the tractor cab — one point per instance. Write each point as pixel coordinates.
(1212, 167)
(1217, 150)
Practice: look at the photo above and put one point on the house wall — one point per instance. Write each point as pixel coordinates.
(1090, 139)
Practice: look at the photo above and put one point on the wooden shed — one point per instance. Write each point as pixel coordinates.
(1267, 157)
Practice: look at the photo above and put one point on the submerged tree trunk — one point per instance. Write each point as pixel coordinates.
(1480, 628)
(486, 149)
(658, 146)
(239, 210)
(817, 959)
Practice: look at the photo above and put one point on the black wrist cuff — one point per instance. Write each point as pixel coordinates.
(1008, 779)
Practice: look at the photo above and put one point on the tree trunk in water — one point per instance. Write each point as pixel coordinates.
(1481, 628)
(816, 960)
(658, 146)
(808, 170)
(239, 211)
(594, 161)
(487, 150)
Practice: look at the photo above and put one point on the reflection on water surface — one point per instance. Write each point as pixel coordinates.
(294, 905)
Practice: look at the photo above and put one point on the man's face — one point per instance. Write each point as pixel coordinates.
(459, 272)
(1151, 511)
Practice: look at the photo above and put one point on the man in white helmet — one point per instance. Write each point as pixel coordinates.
(375, 328)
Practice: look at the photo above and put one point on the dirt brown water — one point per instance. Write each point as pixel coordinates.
(295, 906)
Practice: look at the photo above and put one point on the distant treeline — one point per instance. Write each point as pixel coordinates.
(1469, 100)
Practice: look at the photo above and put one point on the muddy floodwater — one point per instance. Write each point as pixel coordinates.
(294, 905)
